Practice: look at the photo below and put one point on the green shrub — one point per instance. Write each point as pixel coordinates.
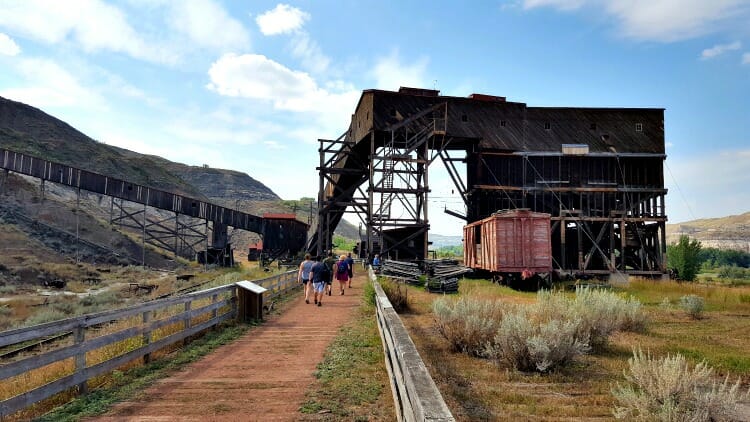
(539, 336)
(693, 305)
(667, 389)
(397, 295)
(47, 315)
(100, 301)
(468, 324)
(528, 344)
(600, 312)
(369, 293)
(8, 289)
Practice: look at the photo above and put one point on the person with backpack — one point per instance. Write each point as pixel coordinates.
(341, 270)
(303, 276)
(350, 263)
(329, 262)
(319, 274)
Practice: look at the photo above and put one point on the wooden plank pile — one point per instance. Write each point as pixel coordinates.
(436, 276)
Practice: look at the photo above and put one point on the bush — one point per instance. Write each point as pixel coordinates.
(684, 256)
(600, 313)
(529, 344)
(369, 293)
(667, 389)
(693, 305)
(396, 295)
(100, 301)
(7, 289)
(540, 336)
(48, 315)
(468, 324)
(734, 272)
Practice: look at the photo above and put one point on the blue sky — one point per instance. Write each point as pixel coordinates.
(251, 86)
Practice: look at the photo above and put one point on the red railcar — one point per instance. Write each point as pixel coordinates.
(513, 245)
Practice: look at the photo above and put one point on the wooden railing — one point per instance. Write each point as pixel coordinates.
(133, 332)
(415, 394)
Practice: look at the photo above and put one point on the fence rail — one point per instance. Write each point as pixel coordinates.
(415, 394)
(187, 315)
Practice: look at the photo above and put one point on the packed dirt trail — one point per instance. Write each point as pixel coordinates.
(262, 376)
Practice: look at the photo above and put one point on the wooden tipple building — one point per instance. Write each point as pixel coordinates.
(597, 171)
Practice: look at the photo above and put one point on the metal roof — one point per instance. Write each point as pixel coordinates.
(512, 126)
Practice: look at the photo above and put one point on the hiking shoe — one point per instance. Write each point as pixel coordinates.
(320, 303)
(307, 301)
(329, 293)
(316, 301)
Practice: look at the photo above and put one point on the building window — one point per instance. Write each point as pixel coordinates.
(502, 123)
(547, 125)
(464, 118)
(592, 126)
(639, 127)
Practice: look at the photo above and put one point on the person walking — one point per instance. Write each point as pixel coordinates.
(303, 276)
(319, 274)
(341, 270)
(329, 262)
(350, 263)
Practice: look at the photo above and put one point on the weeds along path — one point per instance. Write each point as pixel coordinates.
(261, 376)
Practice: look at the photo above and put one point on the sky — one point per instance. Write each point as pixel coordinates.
(252, 85)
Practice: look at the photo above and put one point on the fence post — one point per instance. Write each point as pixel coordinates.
(234, 302)
(80, 336)
(146, 335)
(188, 305)
(215, 312)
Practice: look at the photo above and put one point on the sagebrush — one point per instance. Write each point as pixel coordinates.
(693, 305)
(538, 336)
(668, 389)
(469, 324)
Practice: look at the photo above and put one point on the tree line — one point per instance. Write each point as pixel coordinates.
(686, 258)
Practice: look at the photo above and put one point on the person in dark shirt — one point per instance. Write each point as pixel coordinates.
(350, 263)
(329, 261)
(319, 274)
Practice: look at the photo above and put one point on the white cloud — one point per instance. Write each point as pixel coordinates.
(274, 145)
(8, 47)
(746, 58)
(389, 73)
(92, 24)
(559, 4)
(719, 49)
(281, 20)
(50, 85)
(309, 53)
(661, 20)
(258, 77)
(207, 24)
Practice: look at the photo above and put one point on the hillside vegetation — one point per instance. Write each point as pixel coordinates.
(731, 232)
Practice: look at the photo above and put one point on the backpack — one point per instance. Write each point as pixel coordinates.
(342, 268)
(325, 273)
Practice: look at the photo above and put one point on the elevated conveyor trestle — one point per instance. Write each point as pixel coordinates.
(394, 206)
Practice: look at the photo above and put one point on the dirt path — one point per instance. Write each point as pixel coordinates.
(261, 376)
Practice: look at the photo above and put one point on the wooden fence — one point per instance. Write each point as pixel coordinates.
(134, 332)
(415, 394)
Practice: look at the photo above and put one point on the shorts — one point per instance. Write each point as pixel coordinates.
(305, 281)
(318, 287)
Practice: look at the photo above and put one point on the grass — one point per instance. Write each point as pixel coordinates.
(478, 389)
(352, 382)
